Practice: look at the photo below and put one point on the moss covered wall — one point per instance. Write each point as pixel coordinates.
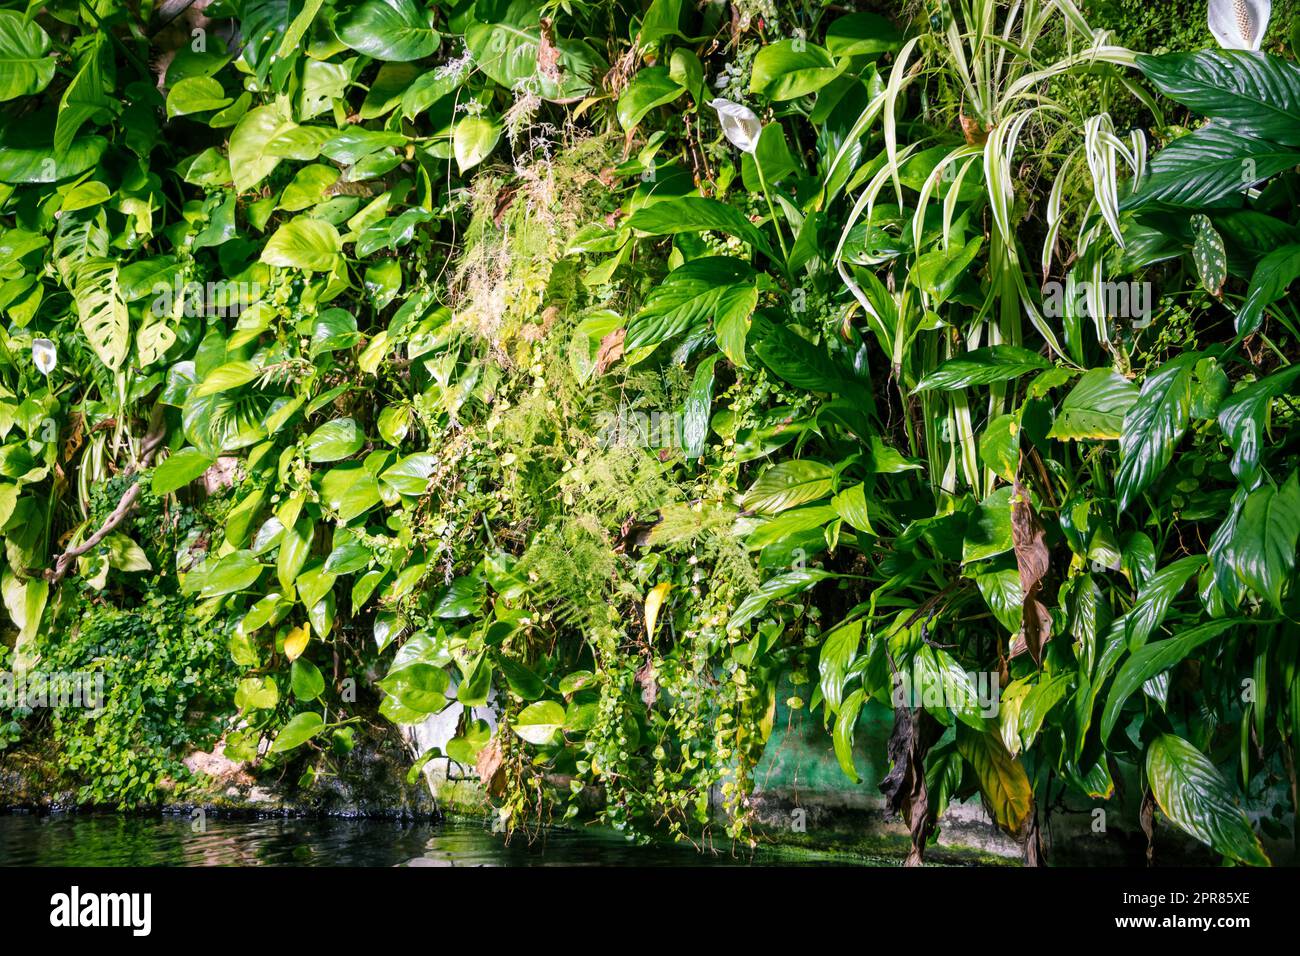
(1160, 26)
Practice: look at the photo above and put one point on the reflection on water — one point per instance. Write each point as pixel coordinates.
(63, 839)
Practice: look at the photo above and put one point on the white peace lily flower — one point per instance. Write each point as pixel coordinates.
(44, 355)
(740, 124)
(1239, 24)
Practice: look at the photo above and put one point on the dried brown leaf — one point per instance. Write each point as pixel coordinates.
(610, 351)
(490, 766)
(914, 733)
(649, 686)
(1033, 562)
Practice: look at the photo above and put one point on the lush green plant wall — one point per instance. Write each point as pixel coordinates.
(605, 366)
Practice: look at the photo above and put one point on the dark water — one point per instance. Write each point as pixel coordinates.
(63, 839)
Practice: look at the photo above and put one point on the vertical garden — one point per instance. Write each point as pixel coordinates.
(599, 379)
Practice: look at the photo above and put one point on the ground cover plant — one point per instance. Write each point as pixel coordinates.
(625, 367)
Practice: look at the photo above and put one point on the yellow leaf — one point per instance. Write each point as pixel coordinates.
(295, 642)
(1002, 779)
(653, 602)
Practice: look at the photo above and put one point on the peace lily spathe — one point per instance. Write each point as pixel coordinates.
(44, 355)
(740, 124)
(1239, 24)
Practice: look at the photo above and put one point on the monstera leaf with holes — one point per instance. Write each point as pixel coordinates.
(102, 310)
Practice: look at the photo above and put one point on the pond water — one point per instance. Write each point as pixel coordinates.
(64, 839)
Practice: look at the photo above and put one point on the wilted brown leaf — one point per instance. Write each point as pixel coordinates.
(914, 733)
(1033, 561)
(976, 135)
(610, 351)
(548, 55)
(649, 686)
(490, 766)
(1147, 820)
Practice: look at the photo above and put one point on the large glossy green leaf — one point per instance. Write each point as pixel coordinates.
(1038, 703)
(938, 271)
(250, 161)
(662, 19)
(225, 377)
(699, 402)
(936, 681)
(1274, 273)
(304, 243)
(715, 287)
(257, 693)
(668, 217)
(781, 586)
(1254, 93)
(521, 679)
(1003, 594)
(418, 686)
(651, 87)
(295, 547)
(1152, 659)
(410, 476)
(196, 94)
(860, 34)
(993, 363)
(507, 48)
(26, 162)
(398, 30)
(235, 572)
(300, 729)
(1264, 546)
(799, 362)
(838, 652)
(851, 505)
(1154, 425)
(988, 532)
(1095, 407)
(306, 679)
(223, 422)
(846, 723)
(179, 469)
(788, 69)
(787, 484)
(1154, 599)
(773, 156)
(473, 141)
(1208, 165)
(1242, 416)
(1196, 799)
(264, 24)
(540, 723)
(86, 97)
(25, 64)
(334, 440)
